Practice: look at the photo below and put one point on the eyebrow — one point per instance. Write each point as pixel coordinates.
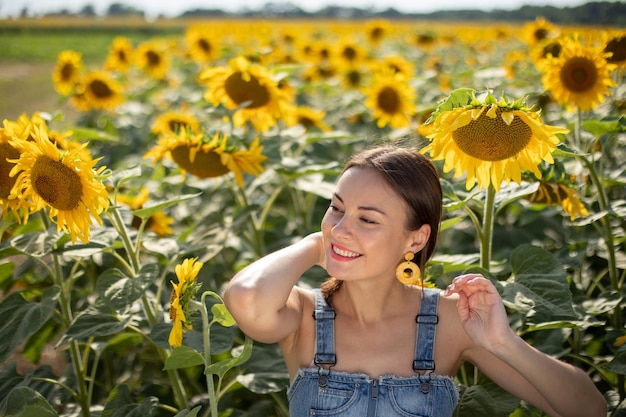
(367, 208)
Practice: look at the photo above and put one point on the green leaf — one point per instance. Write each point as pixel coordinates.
(222, 315)
(183, 357)
(22, 319)
(120, 404)
(220, 368)
(26, 402)
(120, 292)
(538, 287)
(618, 363)
(264, 382)
(35, 244)
(187, 413)
(152, 207)
(604, 126)
(83, 133)
(94, 325)
(485, 399)
(458, 98)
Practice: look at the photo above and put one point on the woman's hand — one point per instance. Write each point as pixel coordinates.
(481, 311)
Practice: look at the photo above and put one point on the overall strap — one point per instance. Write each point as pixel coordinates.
(426, 320)
(324, 316)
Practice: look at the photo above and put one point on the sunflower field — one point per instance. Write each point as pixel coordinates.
(195, 153)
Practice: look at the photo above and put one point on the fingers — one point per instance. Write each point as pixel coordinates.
(469, 284)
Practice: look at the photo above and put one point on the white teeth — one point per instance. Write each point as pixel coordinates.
(345, 253)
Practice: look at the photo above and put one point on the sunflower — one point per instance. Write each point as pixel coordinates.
(391, 99)
(151, 57)
(206, 158)
(66, 74)
(202, 44)
(397, 64)
(120, 55)
(538, 31)
(551, 193)
(615, 44)
(182, 293)
(98, 90)
(247, 88)
(59, 181)
(580, 77)
(377, 30)
(308, 118)
(8, 152)
(174, 121)
(159, 222)
(24, 127)
(492, 140)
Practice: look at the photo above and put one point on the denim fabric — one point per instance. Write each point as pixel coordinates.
(320, 391)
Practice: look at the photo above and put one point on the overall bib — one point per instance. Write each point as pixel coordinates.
(319, 391)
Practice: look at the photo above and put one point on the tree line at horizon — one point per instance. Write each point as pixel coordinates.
(605, 13)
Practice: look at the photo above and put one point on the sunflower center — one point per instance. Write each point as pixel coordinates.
(349, 53)
(618, 47)
(579, 74)
(154, 59)
(100, 89)
(6, 183)
(491, 139)
(388, 100)
(56, 183)
(67, 71)
(204, 45)
(241, 91)
(177, 125)
(205, 164)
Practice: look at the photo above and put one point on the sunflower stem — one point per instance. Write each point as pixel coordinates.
(206, 338)
(486, 236)
(68, 317)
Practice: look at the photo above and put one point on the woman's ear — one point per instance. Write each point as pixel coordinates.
(419, 238)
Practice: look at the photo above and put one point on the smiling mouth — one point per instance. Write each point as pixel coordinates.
(345, 253)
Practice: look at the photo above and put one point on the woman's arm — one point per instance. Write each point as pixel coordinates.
(559, 389)
(263, 298)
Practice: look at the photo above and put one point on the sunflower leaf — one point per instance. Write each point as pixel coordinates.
(83, 134)
(458, 98)
(26, 402)
(120, 404)
(183, 357)
(119, 291)
(604, 126)
(220, 368)
(150, 208)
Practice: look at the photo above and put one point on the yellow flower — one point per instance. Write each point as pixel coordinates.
(538, 31)
(59, 181)
(173, 121)
(559, 193)
(308, 118)
(615, 44)
(377, 30)
(66, 74)
(151, 57)
(7, 152)
(398, 64)
(490, 140)
(579, 77)
(98, 90)
(208, 158)
(247, 88)
(159, 222)
(391, 99)
(182, 293)
(120, 55)
(202, 43)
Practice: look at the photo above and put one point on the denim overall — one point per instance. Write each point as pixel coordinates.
(321, 391)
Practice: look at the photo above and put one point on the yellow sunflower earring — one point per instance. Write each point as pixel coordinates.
(408, 272)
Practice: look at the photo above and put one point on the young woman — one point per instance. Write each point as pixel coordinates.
(370, 343)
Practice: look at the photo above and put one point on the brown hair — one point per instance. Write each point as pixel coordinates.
(415, 179)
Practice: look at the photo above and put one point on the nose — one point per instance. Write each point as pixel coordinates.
(342, 228)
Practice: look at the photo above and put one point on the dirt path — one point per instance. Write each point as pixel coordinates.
(26, 88)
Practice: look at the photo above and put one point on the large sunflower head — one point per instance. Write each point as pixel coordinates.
(66, 74)
(391, 99)
(580, 77)
(60, 182)
(208, 157)
(247, 88)
(120, 55)
(182, 293)
(98, 90)
(490, 140)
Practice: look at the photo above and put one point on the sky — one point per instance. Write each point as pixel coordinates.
(172, 8)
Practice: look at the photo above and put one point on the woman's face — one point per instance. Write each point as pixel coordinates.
(364, 228)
